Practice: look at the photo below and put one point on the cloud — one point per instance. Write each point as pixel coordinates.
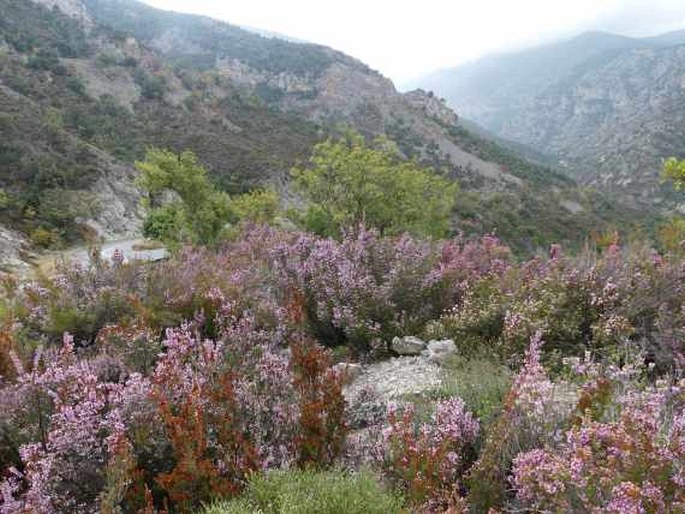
(642, 18)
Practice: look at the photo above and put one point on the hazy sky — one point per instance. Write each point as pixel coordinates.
(404, 39)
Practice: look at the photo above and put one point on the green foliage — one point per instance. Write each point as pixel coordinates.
(201, 212)
(671, 234)
(211, 41)
(43, 237)
(105, 60)
(4, 199)
(514, 216)
(164, 223)
(256, 206)
(76, 85)
(482, 383)
(349, 183)
(28, 25)
(674, 170)
(45, 59)
(80, 323)
(152, 86)
(308, 492)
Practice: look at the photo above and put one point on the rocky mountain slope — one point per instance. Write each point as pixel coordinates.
(87, 85)
(607, 107)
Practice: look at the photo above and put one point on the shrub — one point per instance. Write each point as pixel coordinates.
(624, 452)
(321, 425)
(164, 224)
(588, 303)
(426, 461)
(256, 207)
(366, 288)
(531, 414)
(303, 492)
(44, 237)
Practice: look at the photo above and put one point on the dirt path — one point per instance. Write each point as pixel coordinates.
(132, 249)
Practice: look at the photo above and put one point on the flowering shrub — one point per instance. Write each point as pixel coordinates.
(211, 413)
(623, 452)
(633, 464)
(588, 303)
(64, 420)
(365, 287)
(427, 460)
(530, 415)
(134, 387)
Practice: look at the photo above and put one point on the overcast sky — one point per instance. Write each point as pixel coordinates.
(405, 39)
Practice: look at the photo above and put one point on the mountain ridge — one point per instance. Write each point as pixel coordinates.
(117, 76)
(607, 107)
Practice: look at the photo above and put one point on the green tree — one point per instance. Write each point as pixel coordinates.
(674, 170)
(256, 206)
(350, 183)
(198, 212)
(671, 234)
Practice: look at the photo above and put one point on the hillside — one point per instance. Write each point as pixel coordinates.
(243, 274)
(87, 85)
(608, 108)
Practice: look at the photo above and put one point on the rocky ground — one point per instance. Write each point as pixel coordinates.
(395, 378)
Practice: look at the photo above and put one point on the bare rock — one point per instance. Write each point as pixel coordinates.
(13, 247)
(393, 379)
(440, 351)
(408, 345)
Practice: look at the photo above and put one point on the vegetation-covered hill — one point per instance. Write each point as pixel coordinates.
(87, 85)
(606, 107)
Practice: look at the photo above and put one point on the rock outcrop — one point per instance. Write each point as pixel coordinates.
(408, 345)
(608, 108)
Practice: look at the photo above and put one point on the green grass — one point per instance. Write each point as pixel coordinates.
(481, 383)
(312, 492)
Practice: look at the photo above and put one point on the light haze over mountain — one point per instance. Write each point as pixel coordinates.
(407, 40)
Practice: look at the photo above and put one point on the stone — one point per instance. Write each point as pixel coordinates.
(440, 351)
(394, 379)
(408, 345)
(349, 370)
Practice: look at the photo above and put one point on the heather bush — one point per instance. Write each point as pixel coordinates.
(531, 414)
(88, 431)
(581, 303)
(623, 453)
(426, 460)
(366, 288)
(132, 387)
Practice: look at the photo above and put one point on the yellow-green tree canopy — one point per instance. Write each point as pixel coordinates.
(349, 183)
(674, 170)
(199, 212)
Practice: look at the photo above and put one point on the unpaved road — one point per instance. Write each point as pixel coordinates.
(81, 255)
(126, 246)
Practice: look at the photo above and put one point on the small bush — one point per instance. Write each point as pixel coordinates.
(309, 492)
(427, 460)
(44, 237)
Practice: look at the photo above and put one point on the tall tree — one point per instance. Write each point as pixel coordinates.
(197, 211)
(349, 183)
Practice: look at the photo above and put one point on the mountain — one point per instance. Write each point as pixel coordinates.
(87, 85)
(608, 108)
